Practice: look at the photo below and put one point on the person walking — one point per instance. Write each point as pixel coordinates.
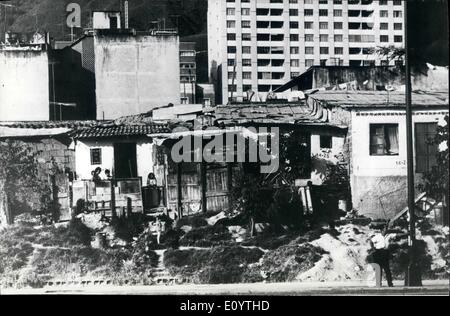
(381, 254)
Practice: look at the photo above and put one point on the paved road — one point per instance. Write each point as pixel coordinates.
(295, 288)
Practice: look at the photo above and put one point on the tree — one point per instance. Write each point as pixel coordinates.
(272, 198)
(19, 173)
(436, 182)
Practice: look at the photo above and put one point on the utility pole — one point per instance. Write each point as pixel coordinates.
(413, 275)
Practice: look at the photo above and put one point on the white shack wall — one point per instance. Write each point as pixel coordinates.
(379, 183)
(144, 153)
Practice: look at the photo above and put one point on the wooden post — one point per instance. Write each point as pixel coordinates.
(204, 187)
(179, 190)
(113, 200)
(129, 207)
(230, 184)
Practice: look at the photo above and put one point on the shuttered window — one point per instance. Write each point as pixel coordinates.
(425, 150)
(384, 140)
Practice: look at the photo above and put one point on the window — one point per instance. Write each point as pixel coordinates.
(323, 12)
(246, 62)
(309, 50)
(398, 14)
(309, 63)
(326, 142)
(231, 49)
(425, 150)
(293, 25)
(324, 37)
(384, 14)
(337, 12)
(230, 11)
(398, 38)
(294, 37)
(324, 50)
(231, 62)
(309, 37)
(246, 50)
(246, 75)
(384, 26)
(323, 25)
(245, 24)
(295, 63)
(231, 24)
(295, 50)
(309, 12)
(96, 156)
(293, 12)
(338, 50)
(246, 37)
(338, 25)
(308, 25)
(384, 38)
(245, 11)
(398, 26)
(231, 37)
(384, 140)
(338, 38)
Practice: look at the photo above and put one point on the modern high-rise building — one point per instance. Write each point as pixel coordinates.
(255, 46)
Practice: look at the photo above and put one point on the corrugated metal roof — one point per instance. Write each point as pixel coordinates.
(265, 113)
(121, 130)
(379, 99)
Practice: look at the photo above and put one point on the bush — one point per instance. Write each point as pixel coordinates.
(193, 221)
(287, 262)
(75, 234)
(206, 237)
(127, 228)
(212, 266)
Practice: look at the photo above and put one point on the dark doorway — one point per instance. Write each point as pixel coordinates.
(125, 160)
(113, 23)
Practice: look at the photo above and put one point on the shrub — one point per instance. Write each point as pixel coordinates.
(287, 262)
(206, 237)
(194, 221)
(127, 228)
(212, 266)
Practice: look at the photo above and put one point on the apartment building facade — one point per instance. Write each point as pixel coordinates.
(255, 46)
(188, 72)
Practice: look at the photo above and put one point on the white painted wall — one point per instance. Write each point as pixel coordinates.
(366, 165)
(144, 152)
(102, 20)
(135, 74)
(24, 85)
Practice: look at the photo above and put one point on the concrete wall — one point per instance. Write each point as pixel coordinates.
(144, 151)
(379, 182)
(24, 85)
(135, 74)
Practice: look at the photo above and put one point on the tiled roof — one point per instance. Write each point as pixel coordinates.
(284, 113)
(379, 99)
(121, 130)
(25, 129)
(50, 124)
